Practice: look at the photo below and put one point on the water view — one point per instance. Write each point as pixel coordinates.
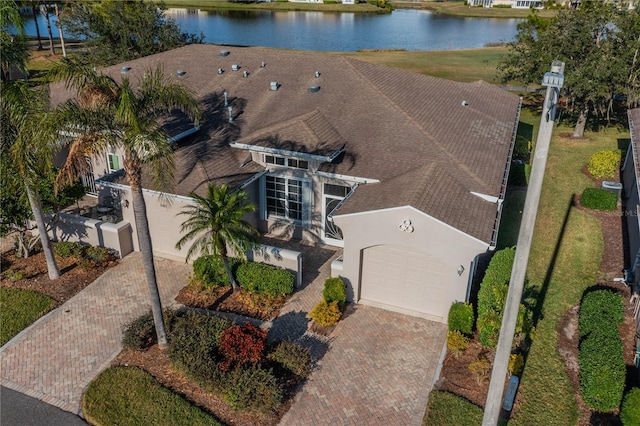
(338, 32)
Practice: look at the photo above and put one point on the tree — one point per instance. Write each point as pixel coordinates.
(118, 31)
(215, 223)
(111, 114)
(14, 50)
(27, 139)
(591, 43)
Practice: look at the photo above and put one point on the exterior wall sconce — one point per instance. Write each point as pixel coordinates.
(460, 270)
(406, 226)
(125, 204)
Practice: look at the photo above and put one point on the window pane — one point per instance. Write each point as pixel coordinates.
(337, 190)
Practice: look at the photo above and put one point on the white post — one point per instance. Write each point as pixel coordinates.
(553, 80)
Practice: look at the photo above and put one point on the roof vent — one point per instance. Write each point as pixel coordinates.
(224, 53)
(230, 114)
(235, 67)
(125, 69)
(314, 88)
(262, 64)
(220, 71)
(180, 73)
(317, 74)
(245, 74)
(465, 103)
(274, 85)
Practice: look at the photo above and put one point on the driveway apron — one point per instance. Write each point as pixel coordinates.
(55, 359)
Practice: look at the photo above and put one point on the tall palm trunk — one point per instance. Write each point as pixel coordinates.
(59, 25)
(52, 266)
(46, 16)
(146, 249)
(36, 11)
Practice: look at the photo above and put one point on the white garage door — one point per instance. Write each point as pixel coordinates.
(404, 280)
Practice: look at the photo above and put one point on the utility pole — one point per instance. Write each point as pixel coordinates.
(553, 81)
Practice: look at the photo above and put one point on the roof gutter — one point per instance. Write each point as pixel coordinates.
(176, 138)
(252, 179)
(284, 152)
(505, 178)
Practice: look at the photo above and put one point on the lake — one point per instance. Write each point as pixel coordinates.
(337, 32)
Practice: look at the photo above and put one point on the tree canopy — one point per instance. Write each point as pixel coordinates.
(599, 44)
(117, 31)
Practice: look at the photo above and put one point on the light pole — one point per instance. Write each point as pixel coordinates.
(553, 80)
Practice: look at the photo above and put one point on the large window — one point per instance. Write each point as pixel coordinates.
(288, 162)
(284, 197)
(114, 162)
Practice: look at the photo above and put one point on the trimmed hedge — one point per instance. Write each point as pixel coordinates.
(210, 271)
(630, 412)
(335, 290)
(448, 409)
(598, 309)
(461, 318)
(603, 164)
(599, 199)
(601, 360)
(265, 279)
(293, 358)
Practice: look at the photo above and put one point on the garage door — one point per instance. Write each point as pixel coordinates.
(403, 280)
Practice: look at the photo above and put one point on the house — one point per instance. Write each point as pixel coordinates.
(631, 208)
(519, 4)
(404, 171)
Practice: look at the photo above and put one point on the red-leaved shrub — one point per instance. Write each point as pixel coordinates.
(241, 344)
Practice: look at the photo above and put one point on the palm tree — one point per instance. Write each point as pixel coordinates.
(14, 49)
(216, 224)
(27, 138)
(117, 115)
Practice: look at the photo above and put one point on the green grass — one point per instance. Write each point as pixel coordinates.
(447, 409)
(565, 255)
(511, 217)
(458, 65)
(130, 396)
(19, 309)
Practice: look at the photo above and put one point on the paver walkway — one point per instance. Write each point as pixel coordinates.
(56, 358)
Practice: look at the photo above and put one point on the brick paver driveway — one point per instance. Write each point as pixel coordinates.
(379, 370)
(56, 358)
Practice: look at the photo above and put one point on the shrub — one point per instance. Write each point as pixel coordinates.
(326, 314)
(522, 147)
(335, 290)
(488, 336)
(519, 174)
(599, 199)
(602, 370)
(598, 309)
(210, 271)
(457, 342)
(494, 286)
(443, 404)
(265, 279)
(461, 318)
(630, 412)
(480, 368)
(95, 255)
(603, 164)
(140, 333)
(14, 275)
(241, 344)
(292, 357)
(253, 389)
(516, 363)
(65, 249)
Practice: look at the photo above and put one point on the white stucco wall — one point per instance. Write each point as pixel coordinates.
(430, 236)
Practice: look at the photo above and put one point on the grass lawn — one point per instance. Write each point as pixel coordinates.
(458, 65)
(130, 396)
(19, 309)
(443, 405)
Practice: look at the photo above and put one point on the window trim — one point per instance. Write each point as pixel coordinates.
(117, 157)
(306, 199)
(292, 163)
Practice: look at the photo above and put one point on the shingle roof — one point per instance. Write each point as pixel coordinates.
(429, 141)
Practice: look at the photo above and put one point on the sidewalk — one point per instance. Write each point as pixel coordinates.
(55, 358)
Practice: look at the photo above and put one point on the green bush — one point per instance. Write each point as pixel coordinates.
(210, 271)
(522, 148)
(461, 318)
(602, 370)
(265, 279)
(65, 249)
(443, 405)
(599, 199)
(326, 314)
(598, 309)
(293, 358)
(253, 389)
(457, 342)
(335, 290)
(630, 412)
(603, 164)
(95, 255)
(519, 174)
(140, 333)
